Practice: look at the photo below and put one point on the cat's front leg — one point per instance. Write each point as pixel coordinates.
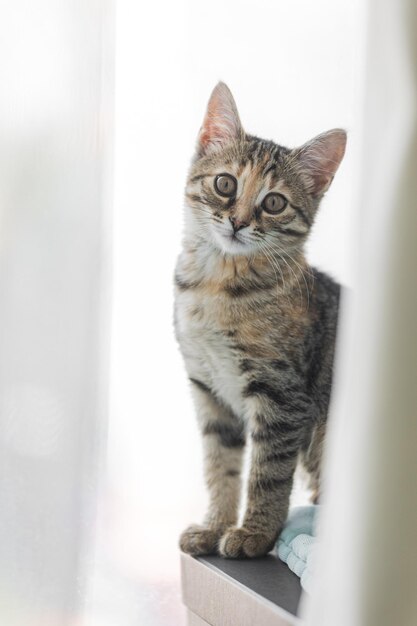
(223, 443)
(278, 421)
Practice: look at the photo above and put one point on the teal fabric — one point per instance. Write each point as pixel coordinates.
(296, 543)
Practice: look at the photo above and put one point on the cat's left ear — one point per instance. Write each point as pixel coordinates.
(320, 158)
(221, 125)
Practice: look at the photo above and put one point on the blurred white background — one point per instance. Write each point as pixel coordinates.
(295, 69)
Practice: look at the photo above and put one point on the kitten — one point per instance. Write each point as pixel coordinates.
(256, 325)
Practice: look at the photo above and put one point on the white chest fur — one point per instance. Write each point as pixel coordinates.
(207, 349)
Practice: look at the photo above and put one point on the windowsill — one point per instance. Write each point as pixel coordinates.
(222, 592)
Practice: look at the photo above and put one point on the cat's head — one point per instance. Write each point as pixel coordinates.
(246, 195)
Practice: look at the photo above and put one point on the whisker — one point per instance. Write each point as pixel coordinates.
(271, 247)
(303, 272)
(275, 266)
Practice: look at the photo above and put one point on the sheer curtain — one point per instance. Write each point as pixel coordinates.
(55, 128)
(366, 570)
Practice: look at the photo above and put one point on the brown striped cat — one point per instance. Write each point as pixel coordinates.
(256, 325)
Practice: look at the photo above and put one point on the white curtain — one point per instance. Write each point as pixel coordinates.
(367, 566)
(55, 121)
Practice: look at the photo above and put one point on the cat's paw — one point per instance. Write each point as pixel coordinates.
(199, 540)
(243, 543)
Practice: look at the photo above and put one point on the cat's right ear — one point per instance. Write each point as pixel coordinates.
(221, 125)
(320, 158)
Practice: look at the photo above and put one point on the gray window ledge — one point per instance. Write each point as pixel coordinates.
(223, 592)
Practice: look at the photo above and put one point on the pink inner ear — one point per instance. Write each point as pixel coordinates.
(321, 157)
(213, 130)
(221, 123)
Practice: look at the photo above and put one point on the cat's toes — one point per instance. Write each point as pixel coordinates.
(199, 540)
(243, 543)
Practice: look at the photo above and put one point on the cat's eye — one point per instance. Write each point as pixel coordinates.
(225, 185)
(274, 203)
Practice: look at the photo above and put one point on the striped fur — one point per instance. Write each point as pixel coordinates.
(256, 325)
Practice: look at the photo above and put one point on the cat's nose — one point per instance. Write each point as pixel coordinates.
(237, 224)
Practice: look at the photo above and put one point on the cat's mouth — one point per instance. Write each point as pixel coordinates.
(232, 243)
(235, 237)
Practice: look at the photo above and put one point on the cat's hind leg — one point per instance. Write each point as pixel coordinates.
(312, 460)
